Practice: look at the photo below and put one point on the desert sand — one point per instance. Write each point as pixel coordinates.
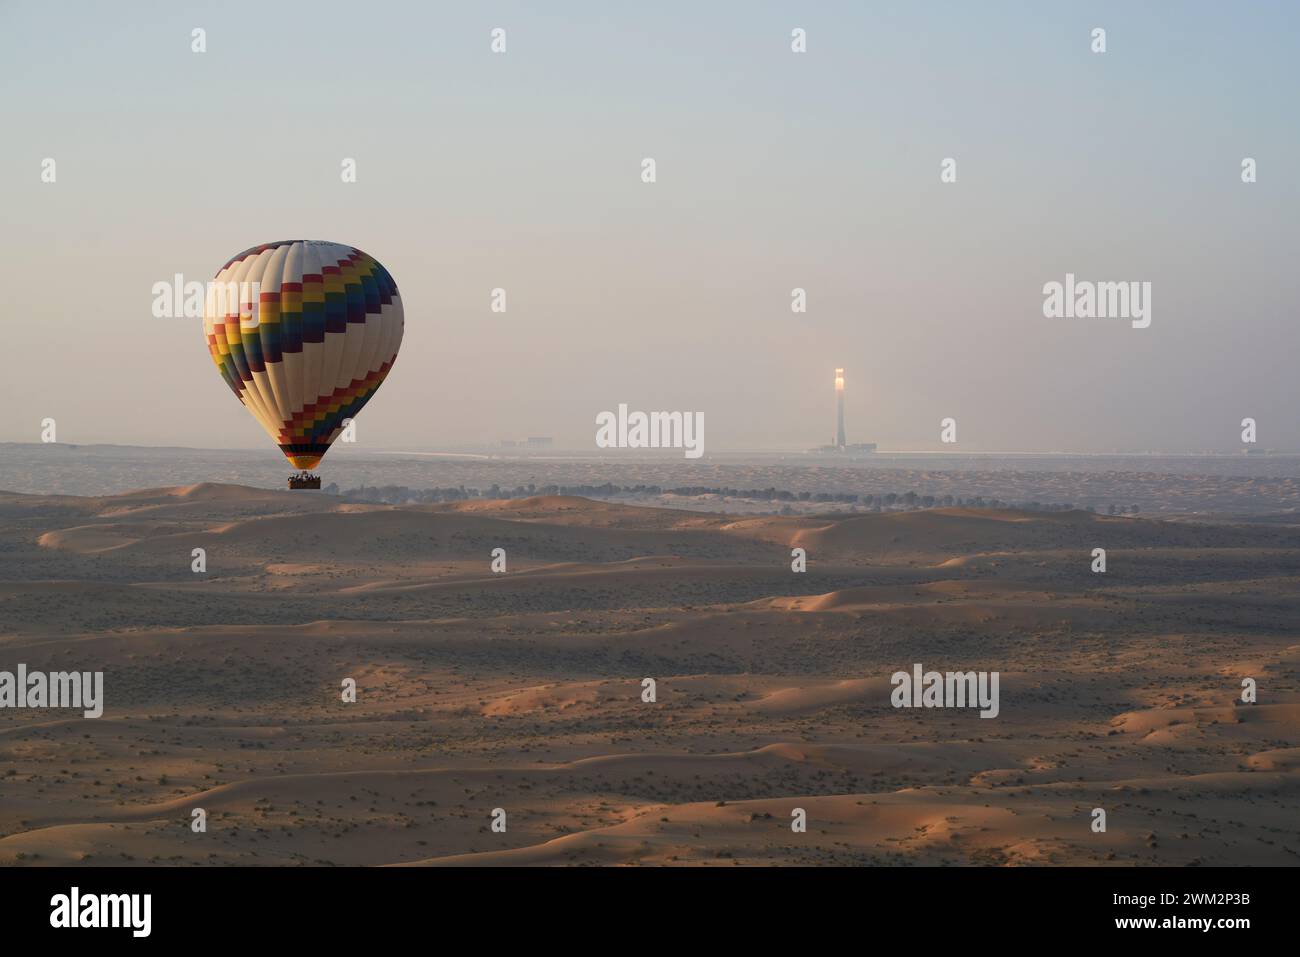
(522, 690)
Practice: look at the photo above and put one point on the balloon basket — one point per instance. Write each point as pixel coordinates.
(304, 480)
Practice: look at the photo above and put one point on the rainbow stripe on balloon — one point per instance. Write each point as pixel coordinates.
(313, 346)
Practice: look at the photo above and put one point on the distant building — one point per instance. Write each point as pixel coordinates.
(540, 441)
(841, 443)
(840, 440)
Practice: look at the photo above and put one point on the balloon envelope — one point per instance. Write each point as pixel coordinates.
(304, 332)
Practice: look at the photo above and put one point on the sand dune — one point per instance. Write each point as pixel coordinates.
(523, 691)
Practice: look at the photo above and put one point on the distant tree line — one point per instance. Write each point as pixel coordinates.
(402, 495)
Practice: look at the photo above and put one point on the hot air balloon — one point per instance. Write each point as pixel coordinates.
(310, 347)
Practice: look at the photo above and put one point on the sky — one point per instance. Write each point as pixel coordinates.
(775, 170)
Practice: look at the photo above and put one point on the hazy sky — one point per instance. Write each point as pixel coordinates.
(775, 170)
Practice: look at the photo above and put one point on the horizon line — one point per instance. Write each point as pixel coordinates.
(490, 451)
